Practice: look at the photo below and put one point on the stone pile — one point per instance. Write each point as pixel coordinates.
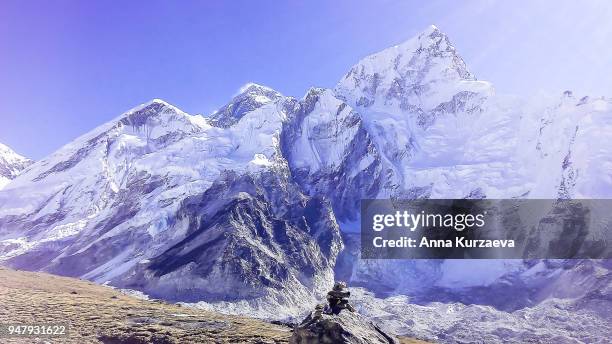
(337, 299)
(328, 324)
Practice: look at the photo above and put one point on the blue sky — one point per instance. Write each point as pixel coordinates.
(69, 66)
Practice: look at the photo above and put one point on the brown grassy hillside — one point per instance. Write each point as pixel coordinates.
(99, 314)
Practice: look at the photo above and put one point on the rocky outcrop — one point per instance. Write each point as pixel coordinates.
(345, 327)
(338, 323)
(245, 239)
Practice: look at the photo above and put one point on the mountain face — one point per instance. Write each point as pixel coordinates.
(330, 152)
(163, 202)
(444, 134)
(441, 133)
(255, 208)
(410, 76)
(11, 164)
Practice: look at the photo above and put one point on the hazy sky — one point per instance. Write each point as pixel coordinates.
(69, 66)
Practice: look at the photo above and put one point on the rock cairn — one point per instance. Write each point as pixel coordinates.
(337, 299)
(328, 324)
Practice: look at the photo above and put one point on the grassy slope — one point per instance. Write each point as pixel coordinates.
(95, 311)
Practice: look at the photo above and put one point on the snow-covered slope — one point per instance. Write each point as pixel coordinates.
(242, 211)
(11, 165)
(160, 201)
(417, 75)
(445, 134)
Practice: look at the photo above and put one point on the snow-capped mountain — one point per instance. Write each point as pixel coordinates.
(445, 134)
(163, 202)
(254, 209)
(441, 133)
(11, 164)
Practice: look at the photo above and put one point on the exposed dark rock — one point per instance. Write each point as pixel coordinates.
(238, 230)
(338, 323)
(344, 327)
(338, 299)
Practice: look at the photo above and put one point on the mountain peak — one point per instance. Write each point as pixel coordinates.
(400, 76)
(140, 114)
(7, 152)
(156, 102)
(250, 97)
(431, 37)
(11, 164)
(255, 87)
(431, 29)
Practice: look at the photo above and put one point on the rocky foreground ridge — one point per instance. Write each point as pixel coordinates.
(339, 323)
(103, 315)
